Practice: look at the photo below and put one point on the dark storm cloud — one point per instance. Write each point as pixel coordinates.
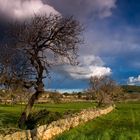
(84, 9)
(21, 9)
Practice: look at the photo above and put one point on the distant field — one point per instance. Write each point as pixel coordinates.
(131, 88)
(122, 124)
(9, 114)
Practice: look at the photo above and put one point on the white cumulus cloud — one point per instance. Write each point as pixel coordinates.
(20, 9)
(134, 80)
(87, 72)
(89, 66)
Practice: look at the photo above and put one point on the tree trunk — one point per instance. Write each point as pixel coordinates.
(24, 116)
(36, 62)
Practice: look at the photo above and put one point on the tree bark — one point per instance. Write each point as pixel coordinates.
(36, 62)
(24, 116)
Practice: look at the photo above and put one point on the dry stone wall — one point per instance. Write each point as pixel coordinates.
(47, 132)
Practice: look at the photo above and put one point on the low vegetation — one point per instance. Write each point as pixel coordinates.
(122, 124)
(9, 114)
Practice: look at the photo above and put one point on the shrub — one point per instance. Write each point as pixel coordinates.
(42, 117)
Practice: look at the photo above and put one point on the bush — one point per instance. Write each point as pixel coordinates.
(56, 97)
(42, 117)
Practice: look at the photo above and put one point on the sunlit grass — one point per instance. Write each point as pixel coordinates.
(9, 114)
(122, 124)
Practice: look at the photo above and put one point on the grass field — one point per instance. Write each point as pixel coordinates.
(9, 114)
(122, 124)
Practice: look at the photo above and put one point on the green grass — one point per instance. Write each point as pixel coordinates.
(9, 114)
(122, 124)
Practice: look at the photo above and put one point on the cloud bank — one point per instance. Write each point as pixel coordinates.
(84, 9)
(134, 80)
(20, 9)
(89, 66)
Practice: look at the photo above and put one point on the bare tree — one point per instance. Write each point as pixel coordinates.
(13, 66)
(13, 72)
(104, 90)
(46, 40)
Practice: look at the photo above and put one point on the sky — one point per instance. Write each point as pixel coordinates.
(112, 43)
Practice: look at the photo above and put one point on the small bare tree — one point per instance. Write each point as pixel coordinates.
(104, 90)
(13, 66)
(45, 40)
(13, 72)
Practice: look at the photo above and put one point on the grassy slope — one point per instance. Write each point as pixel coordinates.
(122, 124)
(9, 114)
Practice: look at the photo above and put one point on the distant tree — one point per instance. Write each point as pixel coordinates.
(104, 90)
(66, 94)
(45, 41)
(79, 95)
(56, 97)
(131, 88)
